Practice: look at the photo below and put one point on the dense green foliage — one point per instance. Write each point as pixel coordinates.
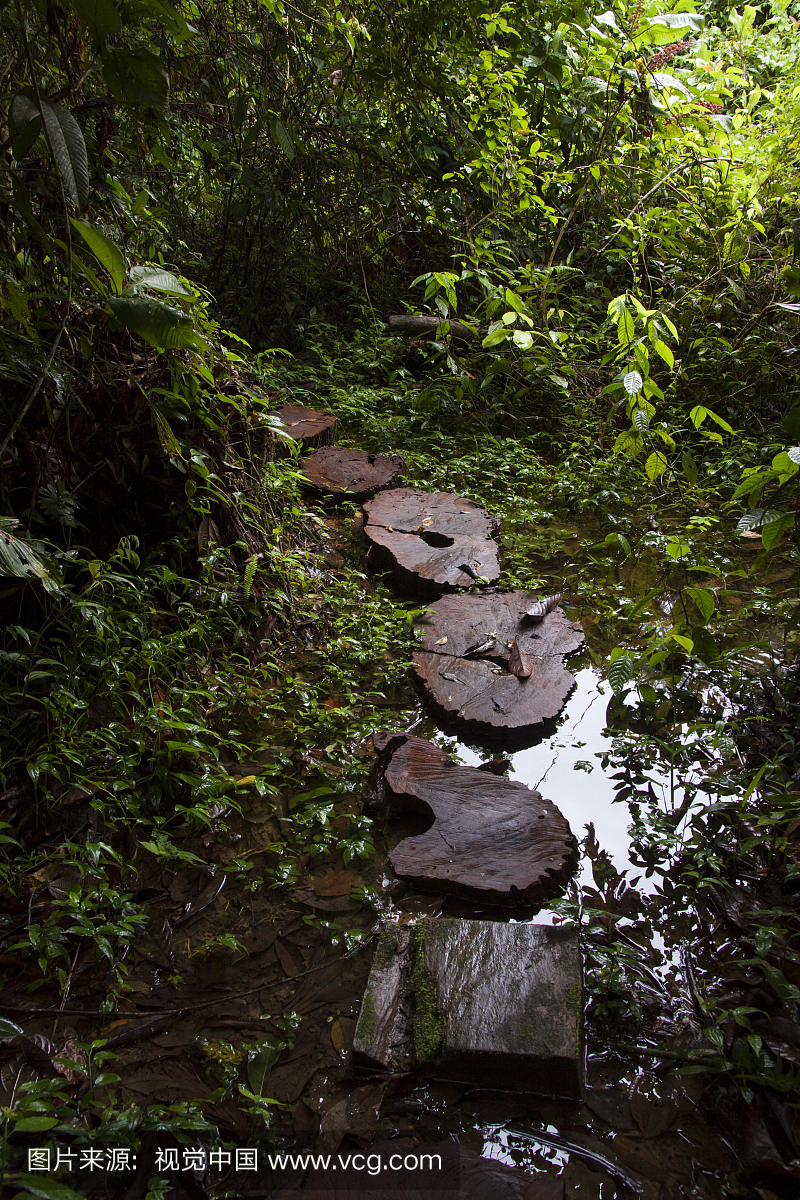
(609, 201)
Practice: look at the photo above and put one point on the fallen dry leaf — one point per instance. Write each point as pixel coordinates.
(340, 883)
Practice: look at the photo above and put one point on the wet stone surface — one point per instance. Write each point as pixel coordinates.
(477, 1001)
(431, 542)
(493, 841)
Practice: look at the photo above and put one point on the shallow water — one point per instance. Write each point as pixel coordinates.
(566, 768)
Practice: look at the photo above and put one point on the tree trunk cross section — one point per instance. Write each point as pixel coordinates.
(352, 474)
(426, 539)
(493, 841)
(489, 672)
(312, 427)
(489, 1003)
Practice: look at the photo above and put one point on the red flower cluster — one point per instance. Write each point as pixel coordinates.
(711, 106)
(666, 53)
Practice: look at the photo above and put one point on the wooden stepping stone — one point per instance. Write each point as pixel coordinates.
(431, 542)
(490, 672)
(352, 474)
(478, 1001)
(493, 841)
(311, 427)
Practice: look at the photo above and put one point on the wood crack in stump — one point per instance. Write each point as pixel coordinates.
(494, 841)
(487, 671)
(431, 542)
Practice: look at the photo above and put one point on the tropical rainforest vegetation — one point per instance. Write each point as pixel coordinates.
(207, 210)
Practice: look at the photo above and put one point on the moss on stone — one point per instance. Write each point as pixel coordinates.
(368, 1019)
(386, 948)
(430, 1021)
(573, 997)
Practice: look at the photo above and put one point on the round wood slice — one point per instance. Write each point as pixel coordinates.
(311, 427)
(493, 841)
(352, 473)
(464, 668)
(425, 539)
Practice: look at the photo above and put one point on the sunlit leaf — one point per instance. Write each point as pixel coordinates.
(773, 531)
(632, 382)
(104, 250)
(157, 280)
(656, 465)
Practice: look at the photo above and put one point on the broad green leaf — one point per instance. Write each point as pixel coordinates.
(632, 381)
(100, 17)
(158, 280)
(260, 1069)
(626, 328)
(704, 601)
(719, 421)
(689, 467)
(697, 415)
(163, 327)
(686, 642)
(751, 482)
(661, 30)
(676, 549)
(620, 672)
(629, 443)
(513, 301)
(66, 139)
(136, 77)
(663, 349)
(523, 339)
(34, 1124)
(8, 1029)
(665, 81)
(773, 531)
(756, 518)
(656, 465)
(670, 326)
(282, 138)
(104, 250)
(784, 463)
(44, 1186)
(494, 338)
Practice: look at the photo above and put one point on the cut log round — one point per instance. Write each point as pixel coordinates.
(431, 542)
(493, 841)
(312, 427)
(352, 474)
(488, 671)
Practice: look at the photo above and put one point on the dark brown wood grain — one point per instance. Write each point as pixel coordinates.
(352, 474)
(493, 841)
(431, 542)
(488, 671)
(312, 427)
